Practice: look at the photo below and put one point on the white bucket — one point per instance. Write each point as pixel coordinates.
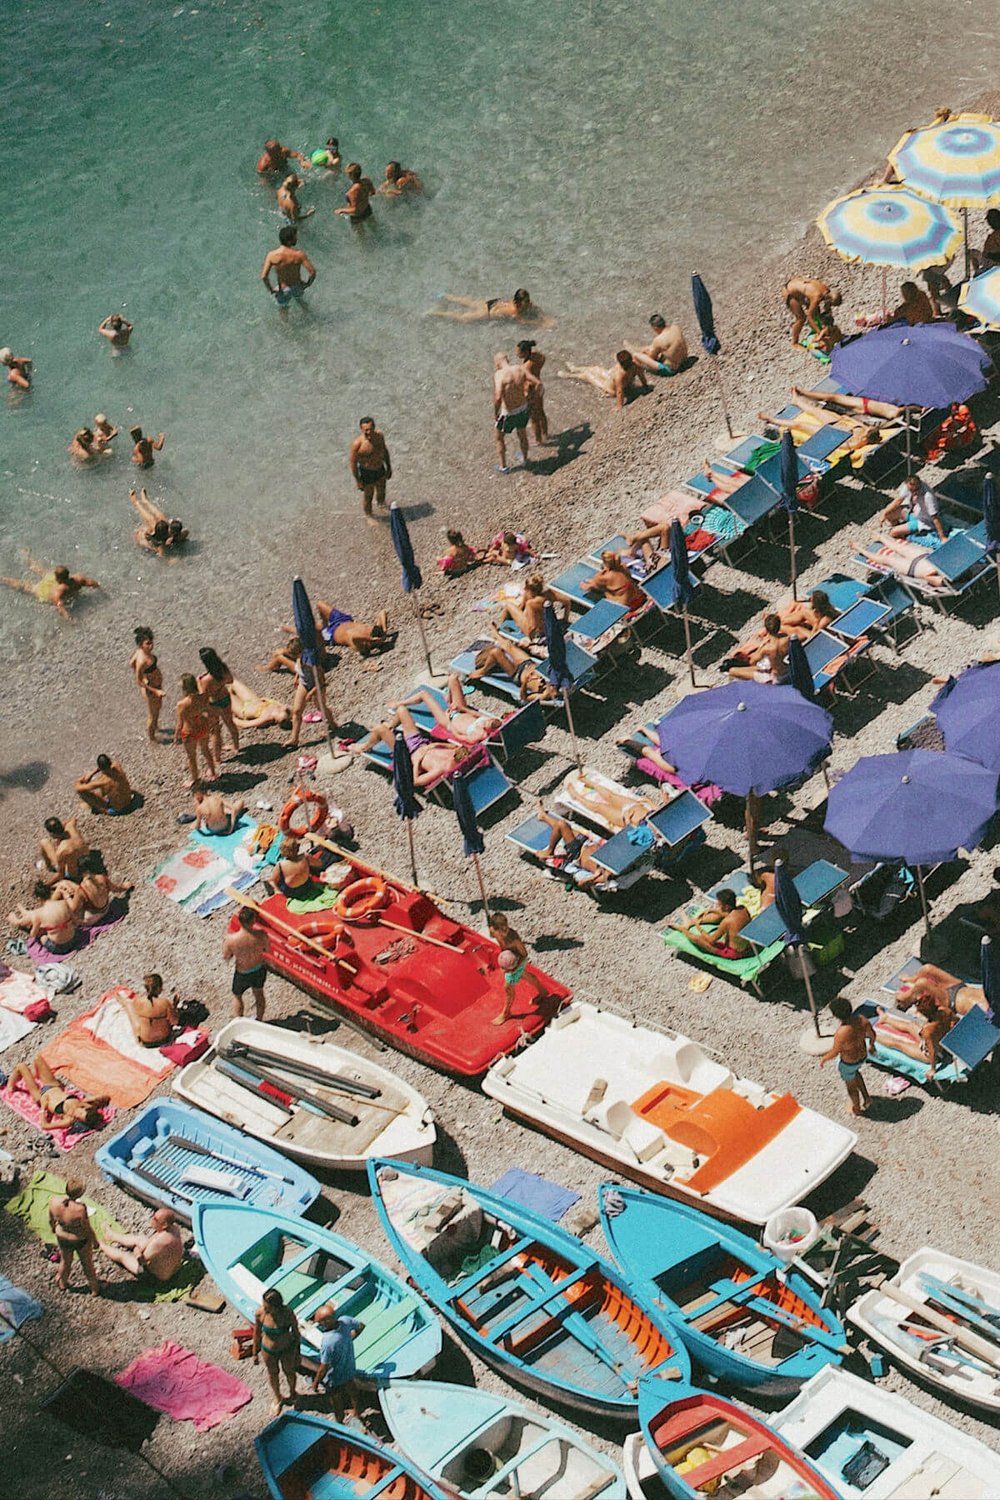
(789, 1233)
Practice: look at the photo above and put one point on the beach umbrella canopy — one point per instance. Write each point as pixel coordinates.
(956, 162)
(989, 975)
(399, 531)
(980, 298)
(968, 714)
(799, 674)
(890, 226)
(920, 806)
(466, 815)
(929, 365)
(747, 737)
(705, 315)
(555, 644)
(406, 803)
(305, 624)
(683, 585)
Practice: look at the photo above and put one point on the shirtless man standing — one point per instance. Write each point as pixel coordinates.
(153, 1257)
(18, 369)
(512, 387)
(666, 352)
(370, 464)
(247, 947)
(117, 330)
(287, 263)
(806, 297)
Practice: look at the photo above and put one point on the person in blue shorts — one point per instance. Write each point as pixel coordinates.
(288, 264)
(852, 1042)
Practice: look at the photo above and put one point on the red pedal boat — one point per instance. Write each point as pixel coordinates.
(390, 959)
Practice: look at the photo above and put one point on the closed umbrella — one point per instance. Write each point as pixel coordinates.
(558, 670)
(929, 365)
(991, 516)
(406, 802)
(920, 806)
(788, 904)
(890, 226)
(956, 161)
(412, 577)
(789, 495)
(968, 713)
(799, 674)
(709, 341)
(474, 843)
(305, 628)
(989, 976)
(683, 586)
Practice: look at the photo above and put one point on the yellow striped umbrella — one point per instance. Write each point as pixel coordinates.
(890, 226)
(954, 161)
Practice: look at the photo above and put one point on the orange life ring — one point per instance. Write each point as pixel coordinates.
(326, 931)
(363, 897)
(315, 806)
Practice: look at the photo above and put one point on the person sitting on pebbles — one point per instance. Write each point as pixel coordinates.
(213, 814)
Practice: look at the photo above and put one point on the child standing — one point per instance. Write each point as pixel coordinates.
(853, 1041)
(515, 968)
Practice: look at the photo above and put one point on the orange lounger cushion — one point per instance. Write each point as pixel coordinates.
(722, 1128)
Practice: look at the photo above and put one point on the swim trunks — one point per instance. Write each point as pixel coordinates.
(847, 1070)
(514, 975)
(284, 294)
(336, 619)
(510, 421)
(665, 369)
(371, 476)
(414, 742)
(248, 979)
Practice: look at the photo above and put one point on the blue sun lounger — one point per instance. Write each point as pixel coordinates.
(569, 585)
(830, 659)
(624, 862)
(815, 885)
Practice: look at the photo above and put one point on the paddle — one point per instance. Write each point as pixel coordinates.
(989, 1315)
(961, 1336)
(811, 1332)
(231, 1161)
(296, 1092)
(304, 1069)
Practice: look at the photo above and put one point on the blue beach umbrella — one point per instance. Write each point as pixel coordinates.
(989, 976)
(558, 668)
(968, 713)
(789, 495)
(683, 585)
(405, 801)
(747, 737)
(312, 651)
(920, 806)
(473, 841)
(788, 904)
(412, 579)
(799, 674)
(709, 341)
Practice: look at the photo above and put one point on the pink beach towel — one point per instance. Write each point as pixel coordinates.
(707, 791)
(21, 1102)
(117, 912)
(173, 1380)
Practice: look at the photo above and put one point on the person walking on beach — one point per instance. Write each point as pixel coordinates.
(852, 1042)
(370, 464)
(512, 388)
(142, 453)
(193, 729)
(337, 1373)
(117, 330)
(246, 948)
(56, 586)
(808, 300)
(513, 962)
(69, 1221)
(287, 263)
(666, 352)
(359, 196)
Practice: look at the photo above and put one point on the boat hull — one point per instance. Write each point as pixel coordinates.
(143, 1149)
(300, 1454)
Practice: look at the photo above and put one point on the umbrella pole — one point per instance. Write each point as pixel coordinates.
(687, 639)
(965, 224)
(909, 447)
(482, 886)
(413, 852)
(885, 292)
(791, 553)
(751, 816)
(572, 729)
(809, 991)
(722, 394)
(420, 626)
(321, 695)
(923, 900)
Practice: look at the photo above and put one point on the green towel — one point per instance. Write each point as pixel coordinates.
(328, 896)
(760, 455)
(743, 969)
(32, 1205)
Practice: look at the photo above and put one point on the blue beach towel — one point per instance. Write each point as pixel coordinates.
(537, 1193)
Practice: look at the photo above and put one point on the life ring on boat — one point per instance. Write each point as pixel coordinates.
(363, 897)
(326, 931)
(313, 804)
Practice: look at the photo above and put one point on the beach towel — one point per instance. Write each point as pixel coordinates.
(173, 1380)
(723, 523)
(186, 871)
(21, 1102)
(21, 993)
(225, 845)
(744, 969)
(97, 1066)
(16, 1307)
(32, 1205)
(531, 1191)
(85, 936)
(322, 901)
(109, 1023)
(706, 790)
(13, 1028)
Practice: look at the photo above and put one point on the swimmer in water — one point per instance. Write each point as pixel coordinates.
(333, 157)
(170, 534)
(399, 180)
(56, 586)
(18, 369)
(289, 203)
(117, 330)
(619, 381)
(517, 309)
(275, 158)
(104, 433)
(84, 446)
(359, 196)
(287, 263)
(142, 452)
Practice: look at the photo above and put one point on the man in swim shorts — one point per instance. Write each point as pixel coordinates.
(512, 386)
(370, 464)
(666, 352)
(275, 158)
(717, 930)
(152, 1258)
(510, 941)
(246, 947)
(56, 586)
(287, 263)
(913, 510)
(106, 789)
(213, 814)
(852, 1042)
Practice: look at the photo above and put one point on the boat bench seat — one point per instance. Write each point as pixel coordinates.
(545, 1295)
(382, 1333)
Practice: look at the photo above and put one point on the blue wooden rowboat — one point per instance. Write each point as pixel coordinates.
(305, 1457)
(703, 1444)
(722, 1291)
(482, 1445)
(247, 1251)
(152, 1157)
(526, 1295)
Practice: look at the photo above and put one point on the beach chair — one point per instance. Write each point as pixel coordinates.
(831, 659)
(626, 864)
(580, 663)
(485, 782)
(569, 585)
(524, 727)
(970, 1042)
(963, 561)
(878, 892)
(600, 626)
(679, 826)
(815, 885)
(746, 970)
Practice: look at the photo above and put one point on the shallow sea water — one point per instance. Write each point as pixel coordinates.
(596, 153)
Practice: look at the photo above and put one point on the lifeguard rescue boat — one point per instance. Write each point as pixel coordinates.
(391, 959)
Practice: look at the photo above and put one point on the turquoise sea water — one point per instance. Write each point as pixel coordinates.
(596, 153)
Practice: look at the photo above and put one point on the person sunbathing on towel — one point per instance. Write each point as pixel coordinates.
(615, 809)
(53, 923)
(859, 436)
(918, 1039)
(568, 848)
(431, 759)
(616, 583)
(213, 814)
(948, 992)
(507, 659)
(717, 930)
(253, 712)
(462, 722)
(864, 405)
(151, 1258)
(90, 899)
(339, 629)
(908, 559)
(60, 1109)
(152, 1017)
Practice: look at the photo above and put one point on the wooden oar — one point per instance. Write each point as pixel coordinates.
(811, 1332)
(964, 1337)
(286, 928)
